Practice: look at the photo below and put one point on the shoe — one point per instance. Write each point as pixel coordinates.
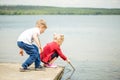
(50, 65)
(39, 68)
(24, 70)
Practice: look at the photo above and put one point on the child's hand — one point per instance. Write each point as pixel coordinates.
(41, 49)
(68, 61)
(21, 52)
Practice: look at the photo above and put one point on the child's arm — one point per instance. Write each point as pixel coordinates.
(37, 41)
(62, 55)
(68, 61)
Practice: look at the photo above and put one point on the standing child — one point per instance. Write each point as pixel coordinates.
(25, 42)
(52, 50)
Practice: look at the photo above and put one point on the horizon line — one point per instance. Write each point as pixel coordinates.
(60, 6)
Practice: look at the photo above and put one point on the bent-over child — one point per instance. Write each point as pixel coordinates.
(52, 50)
(26, 42)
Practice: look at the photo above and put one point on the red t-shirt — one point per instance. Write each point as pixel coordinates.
(50, 49)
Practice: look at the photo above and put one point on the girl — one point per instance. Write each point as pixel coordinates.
(52, 50)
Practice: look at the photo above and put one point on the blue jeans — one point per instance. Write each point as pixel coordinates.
(33, 53)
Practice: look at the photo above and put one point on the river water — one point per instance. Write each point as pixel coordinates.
(92, 43)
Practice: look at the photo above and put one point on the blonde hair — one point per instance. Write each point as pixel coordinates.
(41, 22)
(58, 37)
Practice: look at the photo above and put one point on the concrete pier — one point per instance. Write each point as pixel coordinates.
(10, 71)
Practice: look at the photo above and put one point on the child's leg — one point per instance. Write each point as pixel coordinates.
(37, 61)
(31, 51)
(53, 58)
(20, 46)
(32, 57)
(50, 63)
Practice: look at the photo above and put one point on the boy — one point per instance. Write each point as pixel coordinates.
(52, 50)
(25, 42)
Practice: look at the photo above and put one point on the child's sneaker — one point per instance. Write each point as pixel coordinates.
(24, 70)
(39, 68)
(50, 65)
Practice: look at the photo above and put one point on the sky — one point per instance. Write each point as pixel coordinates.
(65, 3)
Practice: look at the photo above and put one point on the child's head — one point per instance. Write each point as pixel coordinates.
(59, 38)
(42, 25)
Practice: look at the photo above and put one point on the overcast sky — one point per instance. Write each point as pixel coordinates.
(66, 3)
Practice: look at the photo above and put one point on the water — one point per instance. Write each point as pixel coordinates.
(91, 42)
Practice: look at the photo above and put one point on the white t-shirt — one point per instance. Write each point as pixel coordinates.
(27, 35)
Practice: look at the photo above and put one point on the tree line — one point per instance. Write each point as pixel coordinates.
(48, 10)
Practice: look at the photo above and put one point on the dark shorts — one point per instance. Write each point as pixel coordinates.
(53, 56)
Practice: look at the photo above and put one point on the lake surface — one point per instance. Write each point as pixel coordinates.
(92, 43)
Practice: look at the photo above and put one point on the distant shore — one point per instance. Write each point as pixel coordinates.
(48, 10)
